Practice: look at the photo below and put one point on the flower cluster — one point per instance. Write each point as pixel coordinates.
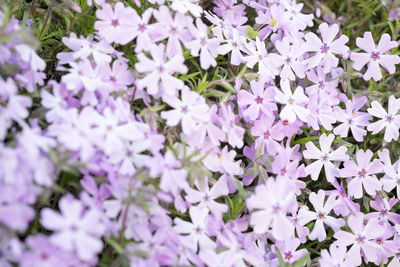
(165, 158)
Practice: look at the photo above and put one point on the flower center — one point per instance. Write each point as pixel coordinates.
(234, 44)
(283, 171)
(184, 109)
(389, 118)
(288, 255)
(321, 216)
(173, 30)
(259, 100)
(142, 27)
(198, 230)
(114, 22)
(285, 122)
(266, 134)
(291, 101)
(325, 157)
(324, 48)
(379, 241)
(360, 239)
(44, 256)
(113, 79)
(375, 56)
(350, 121)
(362, 173)
(383, 212)
(321, 84)
(276, 209)
(203, 41)
(288, 60)
(161, 68)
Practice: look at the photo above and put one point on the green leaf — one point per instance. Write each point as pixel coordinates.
(203, 84)
(228, 86)
(303, 260)
(251, 33)
(115, 245)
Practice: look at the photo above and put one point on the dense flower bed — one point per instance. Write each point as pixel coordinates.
(182, 133)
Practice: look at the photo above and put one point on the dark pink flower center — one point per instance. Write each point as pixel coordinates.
(325, 157)
(360, 239)
(203, 41)
(234, 44)
(321, 84)
(324, 48)
(113, 79)
(375, 56)
(362, 173)
(142, 27)
(259, 100)
(173, 30)
(44, 256)
(184, 109)
(266, 134)
(74, 228)
(288, 255)
(276, 208)
(321, 216)
(389, 118)
(283, 171)
(114, 22)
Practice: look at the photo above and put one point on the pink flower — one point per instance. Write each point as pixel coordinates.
(338, 257)
(288, 250)
(390, 119)
(345, 205)
(74, 228)
(290, 58)
(260, 99)
(235, 43)
(363, 174)
(383, 207)
(321, 215)
(208, 47)
(223, 161)
(270, 203)
(361, 238)
(352, 119)
(206, 196)
(294, 102)
(175, 29)
(267, 134)
(231, 125)
(184, 6)
(195, 232)
(159, 71)
(116, 25)
(190, 111)
(375, 56)
(324, 157)
(325, 49)
(391, 179)
(267, 63)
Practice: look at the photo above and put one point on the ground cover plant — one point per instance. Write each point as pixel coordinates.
(199, 133)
